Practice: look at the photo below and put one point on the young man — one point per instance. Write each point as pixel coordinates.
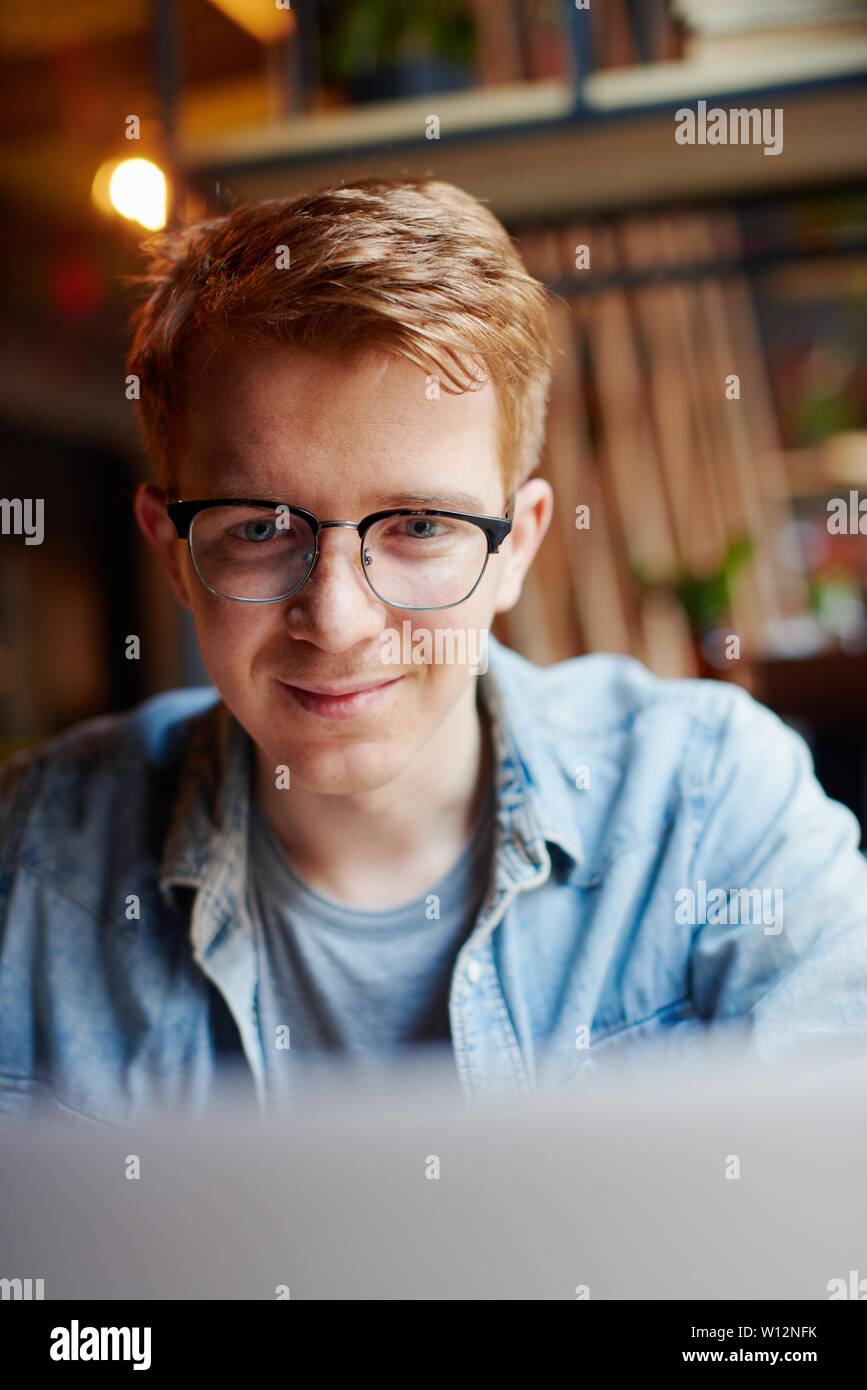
(355, 845)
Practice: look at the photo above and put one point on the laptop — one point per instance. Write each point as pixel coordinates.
(723, 1180)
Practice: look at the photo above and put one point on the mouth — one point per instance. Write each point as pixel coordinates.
(334, 702)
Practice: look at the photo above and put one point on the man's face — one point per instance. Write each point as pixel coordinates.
(341, 440)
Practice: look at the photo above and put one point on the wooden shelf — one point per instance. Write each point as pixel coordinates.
(541, 164)
(384, 123)
(618, 89)
(837, 463)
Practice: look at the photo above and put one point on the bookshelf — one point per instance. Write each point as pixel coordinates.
(571, 85)
(508, 110)
(609, 160)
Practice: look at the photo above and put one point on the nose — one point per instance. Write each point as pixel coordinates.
(336, 608)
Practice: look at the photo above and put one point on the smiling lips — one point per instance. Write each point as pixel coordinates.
(332, 702)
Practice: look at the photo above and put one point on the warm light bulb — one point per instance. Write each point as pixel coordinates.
(137, 190)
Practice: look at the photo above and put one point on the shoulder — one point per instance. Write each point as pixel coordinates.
(659, 738)
(96, 773)
(150, 732)
(619, 753)
(604, 695)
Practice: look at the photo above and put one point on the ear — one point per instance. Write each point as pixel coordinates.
(534, 507)
(158, 529)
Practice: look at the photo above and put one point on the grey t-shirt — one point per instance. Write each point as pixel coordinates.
(356, 986)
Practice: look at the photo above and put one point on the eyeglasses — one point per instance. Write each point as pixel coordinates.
(260, 552)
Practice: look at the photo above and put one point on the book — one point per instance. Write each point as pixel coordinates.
(545, 40)
(499, 58)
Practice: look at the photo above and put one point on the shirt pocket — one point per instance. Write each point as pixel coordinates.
(615, 1043)
(28, 1099)
(17, 1099)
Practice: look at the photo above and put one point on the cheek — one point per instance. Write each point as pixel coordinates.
(484, 600)
(447, 687)
(476, 615)
(456, 651)
(229, 636)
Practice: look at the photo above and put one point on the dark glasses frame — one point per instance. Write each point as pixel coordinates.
(495, 528)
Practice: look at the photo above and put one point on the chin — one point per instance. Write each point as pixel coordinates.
(342, 769)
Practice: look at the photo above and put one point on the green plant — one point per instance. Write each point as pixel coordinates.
(706, 599)
(381, 33)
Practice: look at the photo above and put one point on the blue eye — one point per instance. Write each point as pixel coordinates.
(421, 527)
(259, 531)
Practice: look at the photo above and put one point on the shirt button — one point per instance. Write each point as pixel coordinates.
(474, 971)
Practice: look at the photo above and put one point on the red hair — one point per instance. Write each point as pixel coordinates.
(418, 268)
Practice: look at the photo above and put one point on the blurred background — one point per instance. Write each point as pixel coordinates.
(710, 396)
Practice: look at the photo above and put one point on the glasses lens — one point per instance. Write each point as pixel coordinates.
(252, 552)
(424, 561)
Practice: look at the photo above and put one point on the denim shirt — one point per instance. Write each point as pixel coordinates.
(664, 860)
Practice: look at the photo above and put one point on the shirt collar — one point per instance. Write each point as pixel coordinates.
(212, 799)
(534, 789)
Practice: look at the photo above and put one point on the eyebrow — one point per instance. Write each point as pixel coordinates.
(446, 500)
(234, 484)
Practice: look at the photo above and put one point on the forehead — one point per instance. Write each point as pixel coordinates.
(260, 420)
